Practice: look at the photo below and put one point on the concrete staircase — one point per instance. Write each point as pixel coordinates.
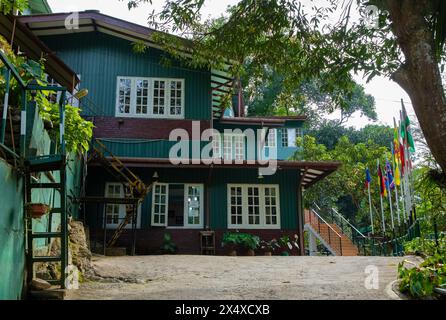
(330, 235)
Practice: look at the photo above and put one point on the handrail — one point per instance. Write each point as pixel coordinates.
(349, 223)
(314, 211)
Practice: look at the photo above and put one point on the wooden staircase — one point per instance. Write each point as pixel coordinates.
(134, 187)
(330, 235)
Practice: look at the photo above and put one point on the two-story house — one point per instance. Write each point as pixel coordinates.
(143, 108)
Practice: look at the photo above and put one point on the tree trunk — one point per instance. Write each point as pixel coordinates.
(420, 76)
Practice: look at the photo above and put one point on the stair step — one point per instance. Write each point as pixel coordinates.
(45, 185)
(39, 235)
(46, 259)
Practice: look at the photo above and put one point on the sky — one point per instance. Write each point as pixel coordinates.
(386, 92)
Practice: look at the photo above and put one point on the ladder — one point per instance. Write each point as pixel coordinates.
(134, 187)
(49, 165)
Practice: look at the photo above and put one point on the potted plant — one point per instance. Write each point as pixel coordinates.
(249, 242)
(37, 210)
(168, 247)
(287, 244)
(269, 246)
(230, 241)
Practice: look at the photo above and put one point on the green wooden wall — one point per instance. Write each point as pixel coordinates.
(101, 58)
(12, 233)
(287, 180)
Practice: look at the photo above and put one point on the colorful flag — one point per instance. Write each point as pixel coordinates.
(368, 178)
(405, 131)
(390, 182)
(382, 182)
(396, 142)
(396, 169)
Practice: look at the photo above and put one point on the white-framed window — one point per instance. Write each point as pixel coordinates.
(239, 147)
(115, 213)
(160, 198)
(284, 138)
(299, 133)
(124, 95)
(271, 139)
(150, 97)
(227, 147)
(178, 205)
(253, 206)
(193, 205)
(142, 96)
(216, 147)
(288, 137)
(234, 146)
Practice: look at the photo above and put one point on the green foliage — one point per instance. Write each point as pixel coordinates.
(426, 246)
(432, 195)
(420, 281)
(286, 243)
(78, 132)
(168, 246)
(241, 239)
(329, 132)
(349, 179)
(7, 6)
(269, 94)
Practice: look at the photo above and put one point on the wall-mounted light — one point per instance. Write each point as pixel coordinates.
(155, 176)
(81, 94)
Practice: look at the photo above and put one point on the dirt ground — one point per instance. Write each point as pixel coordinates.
(218, 277)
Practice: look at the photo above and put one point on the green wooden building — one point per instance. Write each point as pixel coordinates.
(142, 107)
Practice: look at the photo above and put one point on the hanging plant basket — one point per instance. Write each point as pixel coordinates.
(37, 210)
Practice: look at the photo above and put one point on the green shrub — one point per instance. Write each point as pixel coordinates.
(168, 247)
(425, 246)
(419, 282)
(240, 239)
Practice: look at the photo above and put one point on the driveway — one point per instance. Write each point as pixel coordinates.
(217, 277)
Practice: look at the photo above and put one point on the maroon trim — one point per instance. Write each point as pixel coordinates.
(135, 128)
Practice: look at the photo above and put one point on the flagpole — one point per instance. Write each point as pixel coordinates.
(370, 206)
(397, 199)
(382, 207)
(389, 195)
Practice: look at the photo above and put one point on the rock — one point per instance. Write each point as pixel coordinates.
(40, 284)
(79, 251)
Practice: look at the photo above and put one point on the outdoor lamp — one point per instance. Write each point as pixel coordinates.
(81, 94)
(155, 176)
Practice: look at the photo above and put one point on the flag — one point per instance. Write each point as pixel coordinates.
(368, 178)
(390, 183)
(396, 169)
(402, 159)
(382, 183)
(396, 142)
(405, 132)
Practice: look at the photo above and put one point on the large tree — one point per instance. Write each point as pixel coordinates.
(301, 43)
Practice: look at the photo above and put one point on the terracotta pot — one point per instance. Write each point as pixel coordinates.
(268, 253)
(232, 253)
(37, 210)
(250, 252)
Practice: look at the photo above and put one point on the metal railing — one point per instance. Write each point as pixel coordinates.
(334, 238)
